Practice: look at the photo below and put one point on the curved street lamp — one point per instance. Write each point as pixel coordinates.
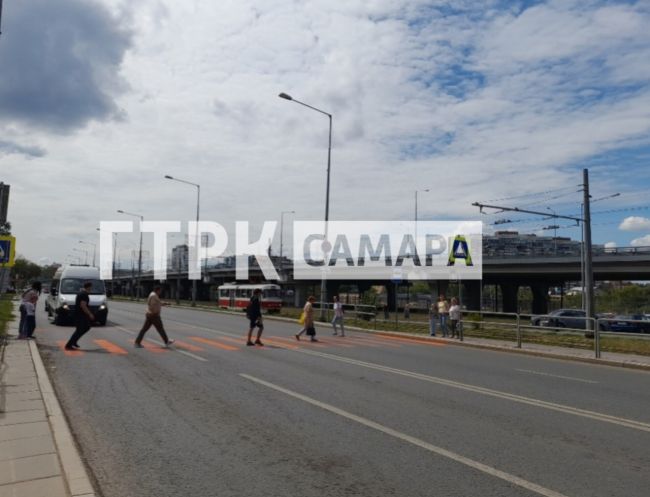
(323, 286)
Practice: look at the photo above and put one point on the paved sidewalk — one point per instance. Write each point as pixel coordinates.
(38, 457)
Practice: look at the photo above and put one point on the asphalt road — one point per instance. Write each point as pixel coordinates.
(353, 416)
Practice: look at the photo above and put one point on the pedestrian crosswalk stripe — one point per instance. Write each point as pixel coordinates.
(110, 347)
(72, 353)
(213, 343)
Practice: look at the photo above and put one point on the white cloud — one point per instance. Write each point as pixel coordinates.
(635, 223)
(609, 245)
(472, 102)
(644, 241)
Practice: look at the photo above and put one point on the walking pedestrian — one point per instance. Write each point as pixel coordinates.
(443, 312)
(83, 316)
(433, 317)
(254, 314)
(454, 318)
(308, 326)
(152, 317)
(26, 297)
(338, 316)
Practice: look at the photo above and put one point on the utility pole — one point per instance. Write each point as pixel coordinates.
(589, 270)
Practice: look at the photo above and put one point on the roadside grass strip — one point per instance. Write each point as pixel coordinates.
(484, 468)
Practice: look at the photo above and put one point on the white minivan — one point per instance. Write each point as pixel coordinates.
(66, 284)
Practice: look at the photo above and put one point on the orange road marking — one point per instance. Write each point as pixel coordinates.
(409, 340)
(156, 349)
(302, 339)
(110, 347)
(72, 353)
(213, 343)
(187, 346)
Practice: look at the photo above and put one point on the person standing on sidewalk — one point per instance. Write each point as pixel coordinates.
(152, 317)
(83, 316)
(26, 297)
(29, 324)
(454, 318)
(433, 317)
(338, 316)
(308, 326)
(443, 312)
(254, 314)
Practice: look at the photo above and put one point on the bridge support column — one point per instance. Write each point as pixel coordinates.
(472, 295)
(509, 292)
(540, 298)
(300, 294)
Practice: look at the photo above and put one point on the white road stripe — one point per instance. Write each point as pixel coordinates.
(606, 418)
(184, 352)
(628, 423)
(540, 373)
(489, 470)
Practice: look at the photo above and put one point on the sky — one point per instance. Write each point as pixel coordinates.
(501, 102)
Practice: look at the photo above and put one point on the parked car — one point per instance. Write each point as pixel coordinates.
(563, 318)
(628, 323)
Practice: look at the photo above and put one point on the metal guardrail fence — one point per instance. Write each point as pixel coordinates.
(519, 328)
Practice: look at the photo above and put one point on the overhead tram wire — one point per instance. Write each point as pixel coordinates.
(532, 194)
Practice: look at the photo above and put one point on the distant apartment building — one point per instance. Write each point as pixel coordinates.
(515, 244)
(179, 258)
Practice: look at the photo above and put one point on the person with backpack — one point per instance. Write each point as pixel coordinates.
(254, 314)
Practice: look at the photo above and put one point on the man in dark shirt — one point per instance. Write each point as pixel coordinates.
(83, 316)
(255, 317)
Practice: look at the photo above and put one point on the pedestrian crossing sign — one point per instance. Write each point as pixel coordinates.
(7, 250)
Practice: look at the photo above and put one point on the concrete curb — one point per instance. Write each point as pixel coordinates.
(73, 468)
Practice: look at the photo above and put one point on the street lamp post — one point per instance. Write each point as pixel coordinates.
(94, 249)
(323, 285)
(198, 243)
(416, 213)
(139, 250)
(85, 252)
(112, 261)
(282, 237)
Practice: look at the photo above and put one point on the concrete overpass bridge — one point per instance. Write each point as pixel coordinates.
(509, 273)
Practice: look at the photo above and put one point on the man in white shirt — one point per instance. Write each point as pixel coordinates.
(338, 316)
(152, 317)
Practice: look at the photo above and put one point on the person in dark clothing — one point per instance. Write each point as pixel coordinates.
(254, 315)
(83, 316)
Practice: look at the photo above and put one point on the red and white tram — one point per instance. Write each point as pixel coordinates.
(235, 296)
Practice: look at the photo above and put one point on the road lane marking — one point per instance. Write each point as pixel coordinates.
(540, 373)
(213, 343)
(110, 347)
(628, 423)
(71, 353)
(156, 349)
(430, 343)
(484, 468)
(184, 352)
